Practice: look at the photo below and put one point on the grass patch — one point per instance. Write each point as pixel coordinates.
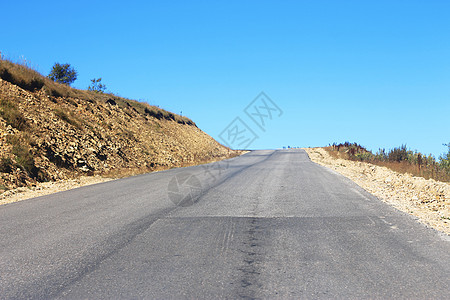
(21, 75)
(67, 118)
(128, 134)
(12, 116)
(23, 157)
(399, 159)
(150, 110)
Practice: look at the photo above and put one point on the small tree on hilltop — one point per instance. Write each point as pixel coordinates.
(63, 73)
(97, 86)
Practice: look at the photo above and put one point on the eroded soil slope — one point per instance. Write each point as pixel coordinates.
(46, 138)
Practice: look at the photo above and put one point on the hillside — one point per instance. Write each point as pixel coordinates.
(50, 131)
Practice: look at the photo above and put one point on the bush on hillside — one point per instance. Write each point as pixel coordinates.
(63, 73)
(97, 86)
(398, 154)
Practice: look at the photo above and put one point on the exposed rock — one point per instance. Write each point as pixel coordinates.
(111, 101)
(69, 137)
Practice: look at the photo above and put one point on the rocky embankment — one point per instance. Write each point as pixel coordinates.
(48, 138)
(428, 200)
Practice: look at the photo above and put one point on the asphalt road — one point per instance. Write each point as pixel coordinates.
(268, 224)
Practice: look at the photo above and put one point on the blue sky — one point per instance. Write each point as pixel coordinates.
(375, 72)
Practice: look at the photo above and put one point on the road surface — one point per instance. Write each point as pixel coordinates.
(268, 224)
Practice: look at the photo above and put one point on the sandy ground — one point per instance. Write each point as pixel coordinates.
(428, 200)
(46, 188)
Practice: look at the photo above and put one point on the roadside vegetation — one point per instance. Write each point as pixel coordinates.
(399, 159)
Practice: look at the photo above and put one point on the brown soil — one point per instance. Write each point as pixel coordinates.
(44, 138)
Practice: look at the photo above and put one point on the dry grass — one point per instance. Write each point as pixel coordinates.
(150, 110)
(427, 172)
(12, 116)
(24, 159)
(22, 75)
(70, 119)
(55, 110)
(398, 159)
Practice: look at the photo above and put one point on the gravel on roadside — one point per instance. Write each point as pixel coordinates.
(46, 188)
(427, 200)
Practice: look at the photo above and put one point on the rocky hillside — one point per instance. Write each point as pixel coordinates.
(52, 132)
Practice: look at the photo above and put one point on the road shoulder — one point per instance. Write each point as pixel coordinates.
(427, 200)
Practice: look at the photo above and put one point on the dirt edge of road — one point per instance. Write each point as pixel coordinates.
(427, 200)
(47, 188)
(52, 187)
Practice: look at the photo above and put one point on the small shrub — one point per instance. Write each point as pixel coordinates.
(365, 156)
(97, 86)
(398, 154)
(63, 73)
(381, 155)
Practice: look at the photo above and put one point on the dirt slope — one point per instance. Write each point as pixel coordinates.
(46, 137)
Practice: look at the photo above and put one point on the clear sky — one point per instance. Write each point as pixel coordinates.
(375, 72)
